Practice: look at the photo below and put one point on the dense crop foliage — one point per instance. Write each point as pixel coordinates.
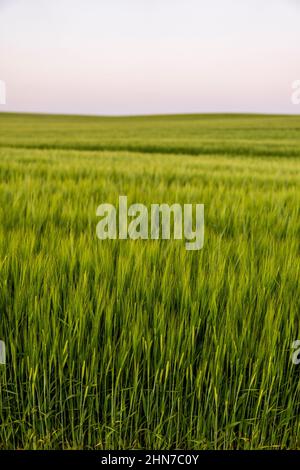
(142, 344)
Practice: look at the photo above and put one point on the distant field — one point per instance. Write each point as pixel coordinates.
(142, 344)
(188, 134)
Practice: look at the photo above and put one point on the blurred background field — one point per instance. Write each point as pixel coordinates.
(218, 134)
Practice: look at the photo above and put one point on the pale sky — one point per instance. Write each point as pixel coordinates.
(117, 57)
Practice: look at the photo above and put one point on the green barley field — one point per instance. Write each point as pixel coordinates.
(122, 344)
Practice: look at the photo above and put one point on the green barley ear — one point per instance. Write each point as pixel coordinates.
(2, 353)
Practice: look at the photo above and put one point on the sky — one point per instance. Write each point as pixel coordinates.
(124, 57)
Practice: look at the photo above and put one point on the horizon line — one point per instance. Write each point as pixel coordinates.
(146, 115)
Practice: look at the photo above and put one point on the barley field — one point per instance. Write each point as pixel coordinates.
(123, 344)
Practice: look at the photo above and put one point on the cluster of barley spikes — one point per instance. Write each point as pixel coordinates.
(142, 344)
